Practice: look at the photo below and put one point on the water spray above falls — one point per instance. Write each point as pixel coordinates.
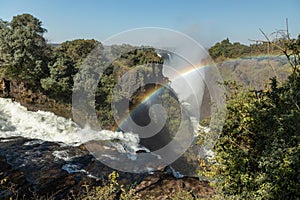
(187, 80)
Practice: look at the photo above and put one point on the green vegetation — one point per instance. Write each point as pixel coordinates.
(257, 155)
(24, 53)
(109, 191)
(65, 63)
(26, 57)
(134, 58)
(226, 50)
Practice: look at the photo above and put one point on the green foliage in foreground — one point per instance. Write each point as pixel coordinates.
(112, 190)
(109, 191)
(258, 153)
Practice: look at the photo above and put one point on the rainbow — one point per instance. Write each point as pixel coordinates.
(154, 92)
(179, 74)
(254, 57)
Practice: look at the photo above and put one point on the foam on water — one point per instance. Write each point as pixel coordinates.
(62, 155)
(16, 120)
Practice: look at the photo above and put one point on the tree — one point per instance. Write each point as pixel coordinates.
(64, 64)
(27, 21)
(78, 50)
(24, 52)
(60, 82)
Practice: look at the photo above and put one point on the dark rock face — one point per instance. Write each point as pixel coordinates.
(36, 167)
(141, 117)
(139, 90)
(48, 168)
(161, 186)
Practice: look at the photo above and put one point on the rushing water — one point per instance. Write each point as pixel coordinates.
(16, 120)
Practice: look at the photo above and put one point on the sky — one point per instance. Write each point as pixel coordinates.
(207, 21)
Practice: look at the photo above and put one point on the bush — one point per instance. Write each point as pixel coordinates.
(257, 155)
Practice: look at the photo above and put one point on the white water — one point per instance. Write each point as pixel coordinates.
(16, 120)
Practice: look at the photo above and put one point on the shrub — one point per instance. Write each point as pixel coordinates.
(257, 155)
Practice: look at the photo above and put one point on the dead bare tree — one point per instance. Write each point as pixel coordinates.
(288, 46)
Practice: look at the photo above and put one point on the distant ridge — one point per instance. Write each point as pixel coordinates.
(55, 44)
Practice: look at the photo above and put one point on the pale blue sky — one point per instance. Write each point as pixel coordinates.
(206, 21)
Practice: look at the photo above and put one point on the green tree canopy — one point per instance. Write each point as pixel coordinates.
(27, 21)
(24, 52)
(65, 63)
(78, 50)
